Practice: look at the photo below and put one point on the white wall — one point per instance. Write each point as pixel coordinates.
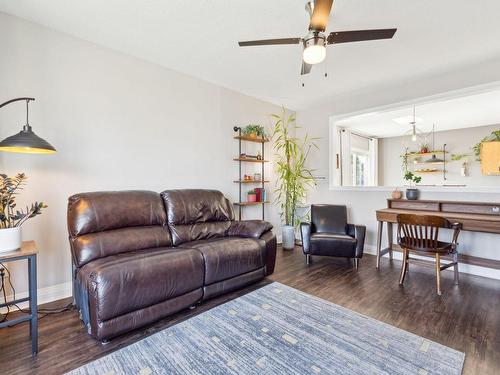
(362, 204)
(117, 123)
(458, 141)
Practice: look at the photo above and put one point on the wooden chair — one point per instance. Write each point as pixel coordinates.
(419, 234)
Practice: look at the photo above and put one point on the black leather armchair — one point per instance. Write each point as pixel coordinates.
(329, 234)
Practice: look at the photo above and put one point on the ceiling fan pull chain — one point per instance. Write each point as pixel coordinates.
(326, 66)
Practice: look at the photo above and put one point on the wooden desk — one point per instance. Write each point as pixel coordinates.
(474, 216)
(28, 251)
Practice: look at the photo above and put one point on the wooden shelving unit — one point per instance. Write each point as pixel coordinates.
(429, 162)
(442, 154)
(243, 204)
(249, 160)
(423, 172)
(427, 153)
(251, 139)
(250, 182)
(240, 181)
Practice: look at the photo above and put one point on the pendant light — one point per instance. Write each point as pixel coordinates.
(414, 127)
(414, 133)
(26, 141)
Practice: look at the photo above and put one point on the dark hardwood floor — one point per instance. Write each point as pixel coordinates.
(465, 317)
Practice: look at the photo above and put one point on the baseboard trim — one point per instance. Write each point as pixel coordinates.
(45, 295)
(462, 267)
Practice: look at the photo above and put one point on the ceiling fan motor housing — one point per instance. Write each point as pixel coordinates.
(314, 38)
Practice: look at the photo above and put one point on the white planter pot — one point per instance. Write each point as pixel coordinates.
(10, 239)
(288, 237)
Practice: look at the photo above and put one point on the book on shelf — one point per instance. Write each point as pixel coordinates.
(261, 194)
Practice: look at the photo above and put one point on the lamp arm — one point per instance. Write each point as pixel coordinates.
(15, 100)
(27, 126)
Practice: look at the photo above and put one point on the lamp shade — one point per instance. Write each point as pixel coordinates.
(26, 141)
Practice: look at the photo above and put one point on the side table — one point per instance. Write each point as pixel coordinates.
(28, 251)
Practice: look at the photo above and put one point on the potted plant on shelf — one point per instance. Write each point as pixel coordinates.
(11, 218)
(424, 148)
(293, 177)
(254, 131)
(252, 196)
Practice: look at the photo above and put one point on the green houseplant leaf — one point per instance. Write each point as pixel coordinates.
(10, 217)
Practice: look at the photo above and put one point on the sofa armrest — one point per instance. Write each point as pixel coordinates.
(269, 239)
(305, 234)
(249, 228)
(358, 232)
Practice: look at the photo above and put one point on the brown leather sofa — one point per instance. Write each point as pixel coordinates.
(139, 256)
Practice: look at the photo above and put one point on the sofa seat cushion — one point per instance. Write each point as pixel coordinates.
(229, 257)
(328, 243)
(127, 282)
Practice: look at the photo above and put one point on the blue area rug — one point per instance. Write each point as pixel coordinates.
(280, 330)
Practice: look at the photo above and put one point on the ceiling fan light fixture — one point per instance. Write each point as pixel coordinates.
(314, 49)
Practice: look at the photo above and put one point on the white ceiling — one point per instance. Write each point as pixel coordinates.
(200, 38)
(462, 112)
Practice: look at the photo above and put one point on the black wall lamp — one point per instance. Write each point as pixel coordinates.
(26, 141)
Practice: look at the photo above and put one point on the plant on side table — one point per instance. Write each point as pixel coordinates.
(412, 191)
(12, 218)
(293, 177)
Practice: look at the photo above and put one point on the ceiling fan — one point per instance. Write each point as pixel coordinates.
(315, 42)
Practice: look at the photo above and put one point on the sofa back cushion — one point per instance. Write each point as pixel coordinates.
(196, 214)
(112, 222)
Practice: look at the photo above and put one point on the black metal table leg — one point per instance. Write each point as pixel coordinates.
(33, 304)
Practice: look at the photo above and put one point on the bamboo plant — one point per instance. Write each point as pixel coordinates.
(294, 178)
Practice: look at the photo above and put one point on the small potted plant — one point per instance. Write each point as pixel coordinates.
(254, 131)
(12, 218)
(412, 192)
(252, 196)
(424, 148)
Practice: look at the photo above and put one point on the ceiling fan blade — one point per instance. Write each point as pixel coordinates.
(359, 35)
(320, 15)
(270, 42)
(306, 68)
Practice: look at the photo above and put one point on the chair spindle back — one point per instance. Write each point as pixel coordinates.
(420, 232)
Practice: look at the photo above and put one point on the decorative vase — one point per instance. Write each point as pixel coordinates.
(10, 239)
(397, 194)
(412, 194)
(252, 198)
(288, 237)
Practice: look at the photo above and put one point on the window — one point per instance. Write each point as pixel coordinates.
(358, 159)
(360, 168)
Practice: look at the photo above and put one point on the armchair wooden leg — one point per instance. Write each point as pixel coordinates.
(308, 259)
(404, 266)
(356, 262)
(438, 273)
(455, 267)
